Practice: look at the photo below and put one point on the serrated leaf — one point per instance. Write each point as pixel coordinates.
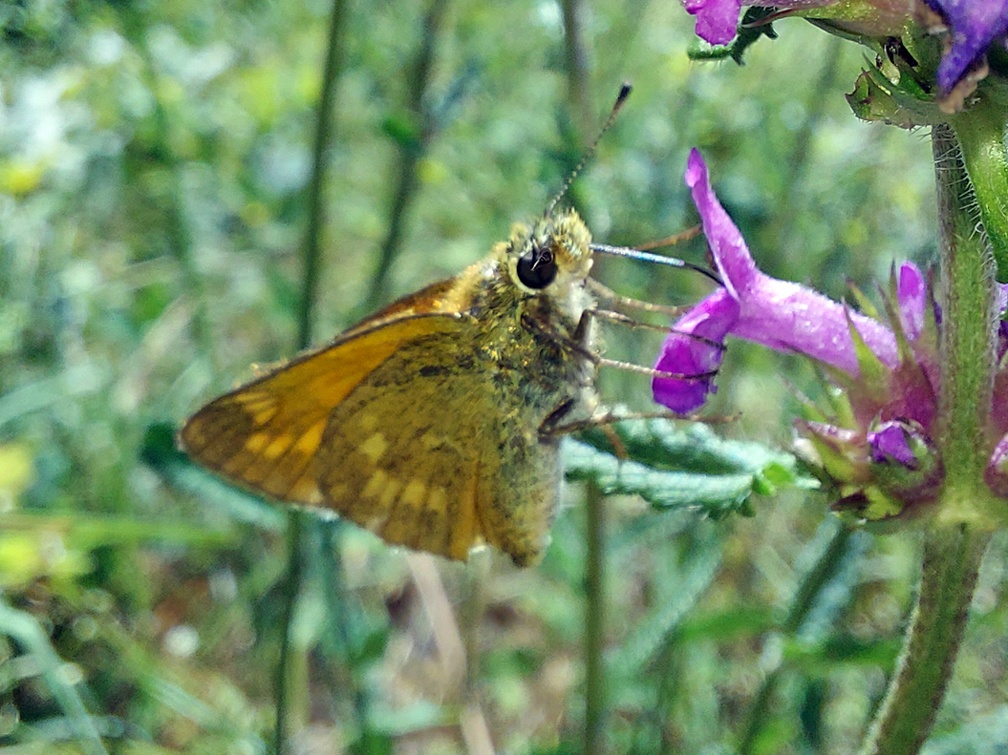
(673, 467)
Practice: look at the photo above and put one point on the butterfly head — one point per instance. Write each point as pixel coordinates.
(551, 257)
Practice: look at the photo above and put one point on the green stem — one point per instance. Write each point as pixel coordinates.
(323, 132)
(418, 80)
(291, 591)
(309, 296)
(340, 640)
(969, 311)
(981, 132)
(958, 535)
(948, 575)
(594, 602)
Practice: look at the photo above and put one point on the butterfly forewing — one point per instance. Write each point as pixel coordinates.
(265, 435)
(424, 422)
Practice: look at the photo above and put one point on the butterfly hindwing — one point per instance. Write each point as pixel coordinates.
(451, 472)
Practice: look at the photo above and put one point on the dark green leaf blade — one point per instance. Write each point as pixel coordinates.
(673, 467)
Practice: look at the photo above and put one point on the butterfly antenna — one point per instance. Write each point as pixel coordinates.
(624, 92)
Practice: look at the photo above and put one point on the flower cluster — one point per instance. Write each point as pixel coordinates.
(878, 443)
(968, 27)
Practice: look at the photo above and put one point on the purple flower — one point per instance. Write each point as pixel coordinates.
(780, 314)
(711, 320)
(716, 20)
(996, 473)
(974, 25)
(890, 442)
(879, 447)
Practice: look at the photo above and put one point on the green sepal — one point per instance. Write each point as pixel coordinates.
(904, 104)
(833, 452)
(873, 374)
(869, 504)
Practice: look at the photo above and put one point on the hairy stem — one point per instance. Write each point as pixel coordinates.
(949, 570)
(958, 535)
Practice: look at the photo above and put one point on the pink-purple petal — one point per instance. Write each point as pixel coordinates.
(716, 20)
(911, 294)
(782, 315)
(974, 26)
(690, 350)
(889, 443)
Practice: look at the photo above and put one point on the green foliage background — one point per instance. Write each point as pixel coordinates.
(154, 166)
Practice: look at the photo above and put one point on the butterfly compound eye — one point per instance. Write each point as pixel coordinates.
(537, 267)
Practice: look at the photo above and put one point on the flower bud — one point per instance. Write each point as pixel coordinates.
(902, 458)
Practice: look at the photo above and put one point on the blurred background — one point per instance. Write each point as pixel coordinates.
(156, 174)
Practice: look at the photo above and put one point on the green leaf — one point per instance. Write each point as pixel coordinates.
(651, 632)
(678, 468)
(840, 650)
(29, 634)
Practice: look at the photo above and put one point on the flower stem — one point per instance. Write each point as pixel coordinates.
(948, 574)
(969, 310)
(958, 535)
(594, 724)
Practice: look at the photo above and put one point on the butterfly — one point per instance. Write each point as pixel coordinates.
(435, 423)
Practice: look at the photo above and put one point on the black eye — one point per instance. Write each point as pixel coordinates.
(537, 268)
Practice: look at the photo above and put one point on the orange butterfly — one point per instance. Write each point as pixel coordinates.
(434, 422)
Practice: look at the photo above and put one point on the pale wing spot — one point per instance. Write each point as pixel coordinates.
(429, 441)
(278, 447)
(374, 447)
(309, 442)
(306, 491)
(262, 417)
(256, 442)
(414, 493)
(337, 493)
(251, 398)
(368, 421)
(261, 406)
(378, 482)
(389, 495)
(438, 498)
